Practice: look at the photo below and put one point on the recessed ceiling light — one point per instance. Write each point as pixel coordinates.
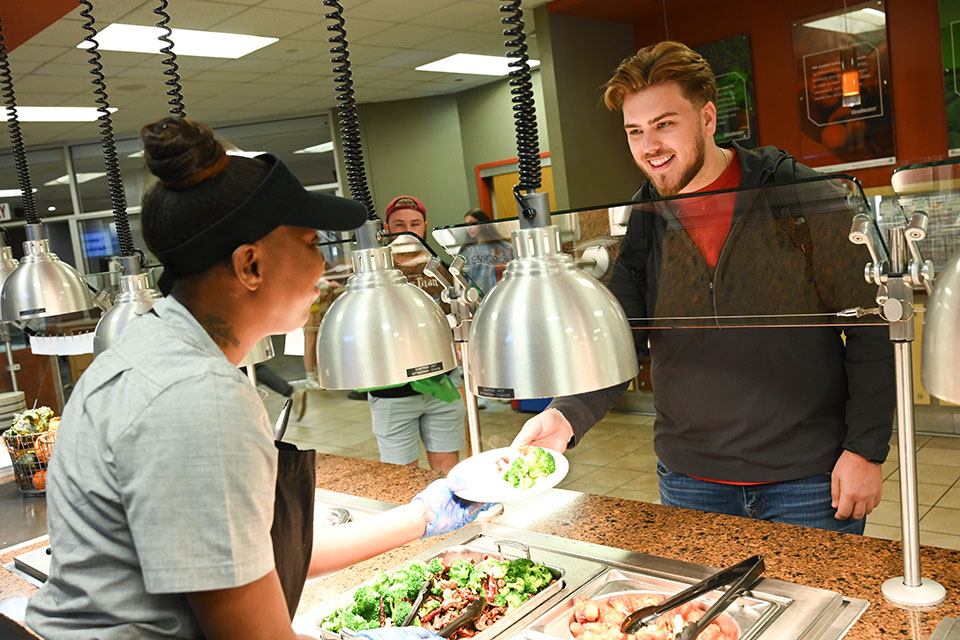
(187, 42)
(57, 114)
(51, 208)
(317, 148)
(81, 178)
(474, 64)
(13, 193)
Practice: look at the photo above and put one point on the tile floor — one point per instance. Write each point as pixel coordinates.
(617, 459)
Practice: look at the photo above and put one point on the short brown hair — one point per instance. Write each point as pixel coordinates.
(663, 62)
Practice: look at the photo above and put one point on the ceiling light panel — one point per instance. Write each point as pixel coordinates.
(81, 178)
(188, 42)
(58, 114)
(473, 64)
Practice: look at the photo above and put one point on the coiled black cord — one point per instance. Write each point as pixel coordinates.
(107, 140)
(173, 69)
(16, 135)
(347, 111)
(524, 112)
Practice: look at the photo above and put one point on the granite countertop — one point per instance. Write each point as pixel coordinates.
(855, 566)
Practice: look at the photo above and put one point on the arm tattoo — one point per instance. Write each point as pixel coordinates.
(220, 331)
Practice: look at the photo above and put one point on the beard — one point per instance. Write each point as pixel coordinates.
(667, 188)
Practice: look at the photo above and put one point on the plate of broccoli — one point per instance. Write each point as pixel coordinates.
(509, 473)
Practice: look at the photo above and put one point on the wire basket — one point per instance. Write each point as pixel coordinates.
(30, 454)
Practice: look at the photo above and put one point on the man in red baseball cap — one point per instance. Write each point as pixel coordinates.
(434, 413)
(406, 213)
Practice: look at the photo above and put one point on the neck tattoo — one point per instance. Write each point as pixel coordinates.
(220, 331)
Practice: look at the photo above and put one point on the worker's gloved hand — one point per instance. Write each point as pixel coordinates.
(399, 633)
(449, 512)
(546, 429)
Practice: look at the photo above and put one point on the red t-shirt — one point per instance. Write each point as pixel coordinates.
(707, 219)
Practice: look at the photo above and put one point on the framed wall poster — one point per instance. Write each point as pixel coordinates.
(835, 136)
(950, 45)
(736, 110)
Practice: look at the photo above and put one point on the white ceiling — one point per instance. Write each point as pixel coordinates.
(292, 77)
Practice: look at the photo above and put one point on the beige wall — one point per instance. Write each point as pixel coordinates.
(591, 162)
(413, 148)
(487, 127)
(429, 147)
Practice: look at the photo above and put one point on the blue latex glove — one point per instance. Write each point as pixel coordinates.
(399, 633)
(450, 512)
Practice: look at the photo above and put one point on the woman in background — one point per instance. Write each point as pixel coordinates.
(487, 254)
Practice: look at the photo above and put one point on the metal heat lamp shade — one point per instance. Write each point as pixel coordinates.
(42, 285)
(382, 330)
(136, 297)
(941, 335)
(8, 263)
(548, 328)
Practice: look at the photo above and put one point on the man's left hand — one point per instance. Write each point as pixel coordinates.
(856, 486)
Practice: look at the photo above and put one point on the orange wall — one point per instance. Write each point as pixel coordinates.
(22, 19)
(913, 34)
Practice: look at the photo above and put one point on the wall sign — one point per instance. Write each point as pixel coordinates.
(6, 213)
(736, 111)
(835, 136)
(950, 46)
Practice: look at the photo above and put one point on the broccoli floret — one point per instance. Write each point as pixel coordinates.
(381, 583)
(460, 571)
(532, 463)
(515, 475)
(419, 568)
(350, 620)
(494, 568)
(435, 566)
(400, 611)
(396, 593)
(429, 606)
(366, 602)
(467, 575)
(330, 623)
(537, 578)
(518, 569)
(436, 589)
(413, 582)
(500, 600)
(516, 585)
(515, 598)
(398, 577)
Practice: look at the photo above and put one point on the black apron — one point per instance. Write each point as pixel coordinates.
(292, 529)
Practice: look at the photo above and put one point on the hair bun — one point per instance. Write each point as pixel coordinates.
(182, 152)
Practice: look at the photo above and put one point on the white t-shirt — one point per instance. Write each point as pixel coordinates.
(161, 483)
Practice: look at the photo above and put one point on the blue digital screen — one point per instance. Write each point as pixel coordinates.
(97, 243)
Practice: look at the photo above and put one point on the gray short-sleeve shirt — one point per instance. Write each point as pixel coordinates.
(161, 483)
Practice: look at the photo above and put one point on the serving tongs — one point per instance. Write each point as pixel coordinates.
(740, 576)
(417, 603)
(470, 613)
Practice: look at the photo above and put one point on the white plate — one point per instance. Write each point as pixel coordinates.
(478, 478)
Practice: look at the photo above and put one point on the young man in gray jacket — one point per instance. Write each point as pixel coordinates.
(788, 424)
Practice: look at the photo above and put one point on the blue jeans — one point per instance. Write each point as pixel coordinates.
(805, 502)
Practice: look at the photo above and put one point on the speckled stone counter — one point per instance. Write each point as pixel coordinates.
(855, 566)
(852, 565)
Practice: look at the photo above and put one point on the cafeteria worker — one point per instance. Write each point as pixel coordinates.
(160, 495)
